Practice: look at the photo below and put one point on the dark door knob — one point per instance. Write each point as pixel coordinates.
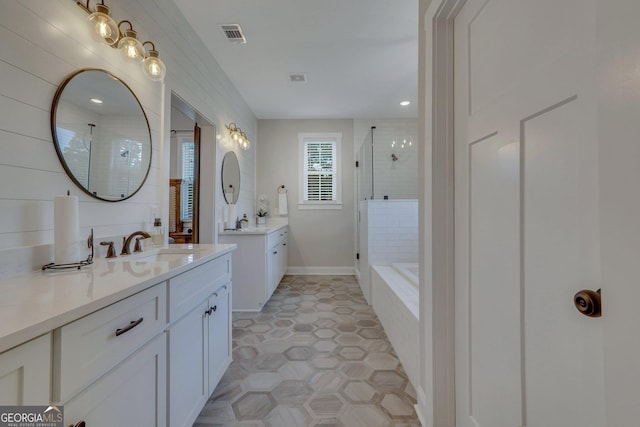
(588, 302)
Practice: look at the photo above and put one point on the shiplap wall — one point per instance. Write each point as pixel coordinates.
(43, 42)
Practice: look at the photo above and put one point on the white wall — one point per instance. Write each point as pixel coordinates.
(42, 42)
(320, 241)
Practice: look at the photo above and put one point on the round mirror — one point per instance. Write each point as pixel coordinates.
(101, 134)
(230, 178)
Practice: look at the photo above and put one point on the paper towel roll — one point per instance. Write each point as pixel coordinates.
(231, 215)
(66, 230)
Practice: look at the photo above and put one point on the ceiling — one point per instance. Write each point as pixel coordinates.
(360, 57)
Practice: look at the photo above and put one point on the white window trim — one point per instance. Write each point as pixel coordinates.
(304, 137)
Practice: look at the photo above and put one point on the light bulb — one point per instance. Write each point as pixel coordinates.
(131, 47)
(153, 67)
(105, 29)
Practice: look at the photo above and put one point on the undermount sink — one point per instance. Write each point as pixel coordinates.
(156, 255)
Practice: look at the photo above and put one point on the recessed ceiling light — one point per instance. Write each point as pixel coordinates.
(405, 103)
(96, 100)
(298, 77)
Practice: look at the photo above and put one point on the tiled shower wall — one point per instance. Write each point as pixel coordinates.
(393, 231)
(397, 179)
(387, 233)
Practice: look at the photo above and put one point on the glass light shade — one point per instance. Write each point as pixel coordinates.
(245, 144)
(154, 68)
(131, 47)
(105, 29)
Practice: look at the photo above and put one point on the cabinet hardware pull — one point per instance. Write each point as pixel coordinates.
(132, 325)
(214, 308)
(207, 312)
(225, 287)
(215, 294)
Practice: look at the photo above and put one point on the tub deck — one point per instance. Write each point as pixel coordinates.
(396, 302)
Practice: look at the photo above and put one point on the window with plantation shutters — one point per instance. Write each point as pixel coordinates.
(188, 172)
(320, 171)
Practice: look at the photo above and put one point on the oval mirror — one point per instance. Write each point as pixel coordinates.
(101, 134)
(230, 178)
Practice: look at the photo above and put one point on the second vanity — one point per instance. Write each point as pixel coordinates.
(263, 251)
(136, 340)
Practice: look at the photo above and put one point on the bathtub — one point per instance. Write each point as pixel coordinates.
(395, 299)
(409, 271)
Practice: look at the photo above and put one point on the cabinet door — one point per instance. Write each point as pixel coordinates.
(133, 394)
(219, 335)
(25, 373)
(188, 366)
(284, 252)
(273, 268)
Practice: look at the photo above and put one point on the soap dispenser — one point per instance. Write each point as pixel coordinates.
(157, 235)
(244, 222)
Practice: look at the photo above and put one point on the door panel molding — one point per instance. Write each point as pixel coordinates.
(523, 122)
(493, 217)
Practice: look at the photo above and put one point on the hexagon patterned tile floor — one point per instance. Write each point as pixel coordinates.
(315, 356)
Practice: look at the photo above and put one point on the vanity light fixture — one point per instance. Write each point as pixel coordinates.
(129, 45)
(106, 31)
(238, 136)
(152, 65)
(105, 28)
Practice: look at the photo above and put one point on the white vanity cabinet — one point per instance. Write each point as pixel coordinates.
(260, 263)
(110, 366)
(144, 349)
(199, 337)
(25, 373)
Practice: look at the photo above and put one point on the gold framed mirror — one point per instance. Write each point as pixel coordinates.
(101, 134)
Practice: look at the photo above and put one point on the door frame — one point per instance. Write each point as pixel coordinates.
(442, 221)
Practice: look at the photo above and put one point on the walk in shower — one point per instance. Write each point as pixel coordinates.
(387, 233)
(388, 163)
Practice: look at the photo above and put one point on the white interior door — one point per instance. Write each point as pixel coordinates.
(527, 224)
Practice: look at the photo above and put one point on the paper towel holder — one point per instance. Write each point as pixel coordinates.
(74, 265)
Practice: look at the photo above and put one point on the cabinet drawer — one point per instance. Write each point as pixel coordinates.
(133, 394)
(90, 346)
(273, 239)
(190, 288)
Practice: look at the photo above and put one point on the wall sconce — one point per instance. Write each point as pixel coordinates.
(152, 66)
(238, 136)
(129, 45)
(106, 31)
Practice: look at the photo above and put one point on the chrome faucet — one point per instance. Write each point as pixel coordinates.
(127, 242)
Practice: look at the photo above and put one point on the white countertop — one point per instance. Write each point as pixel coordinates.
(253, 230)
(37, 302)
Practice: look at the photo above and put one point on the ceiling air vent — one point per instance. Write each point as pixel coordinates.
(233, 32)
(298, 78)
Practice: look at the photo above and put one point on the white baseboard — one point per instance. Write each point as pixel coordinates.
(421, 408)
(321, 271)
